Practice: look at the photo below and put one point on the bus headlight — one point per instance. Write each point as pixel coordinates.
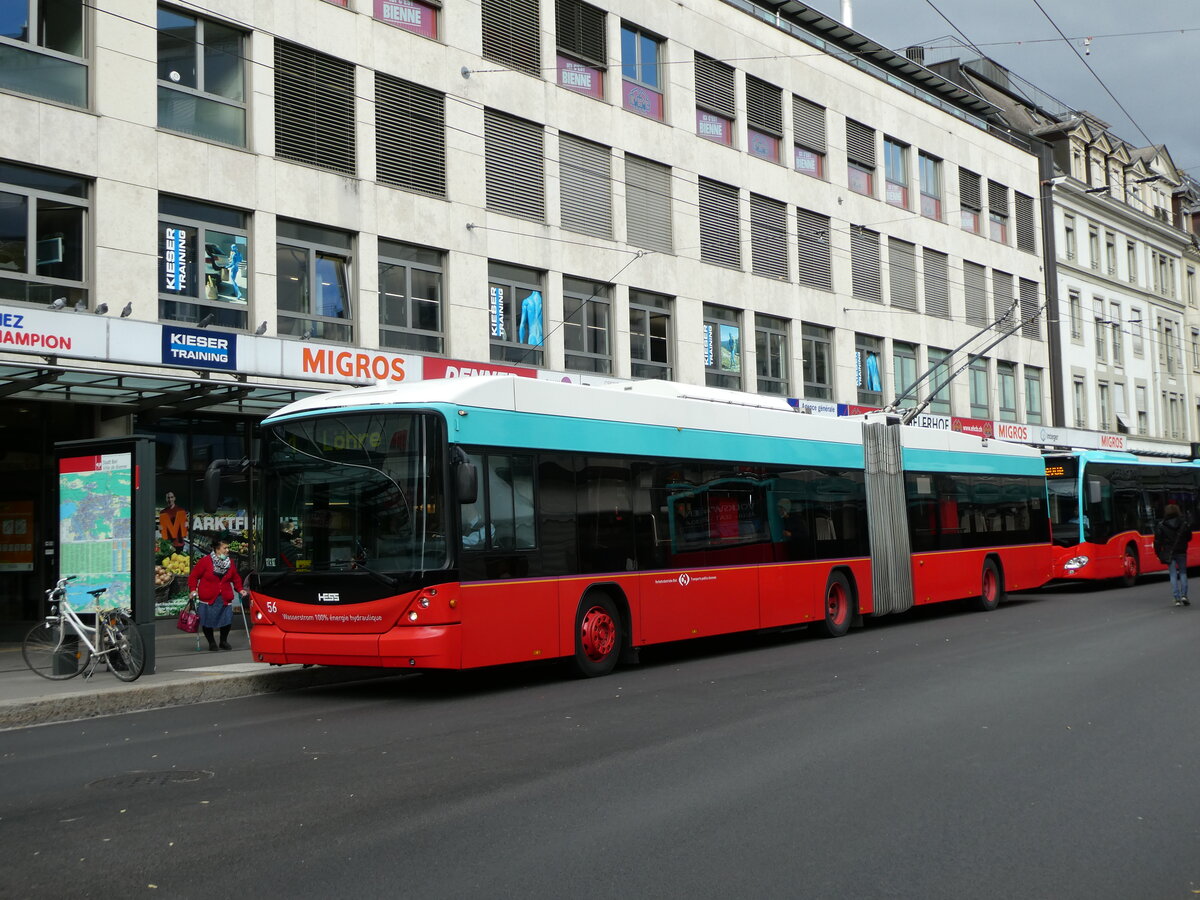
(412, 616)
(1075, 562)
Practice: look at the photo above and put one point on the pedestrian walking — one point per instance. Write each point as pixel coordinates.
(213, 581)
(1171, 538)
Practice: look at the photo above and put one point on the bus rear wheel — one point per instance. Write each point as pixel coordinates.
(991, 587)
(1130, 567)
(839, 606)
(597, 636)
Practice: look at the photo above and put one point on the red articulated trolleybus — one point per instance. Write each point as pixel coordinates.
(1103, 508)
(476, 521)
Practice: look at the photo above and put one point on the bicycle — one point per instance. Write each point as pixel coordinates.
(64, 645)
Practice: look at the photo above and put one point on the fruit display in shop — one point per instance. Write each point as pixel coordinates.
(177, 564)
(162, 576)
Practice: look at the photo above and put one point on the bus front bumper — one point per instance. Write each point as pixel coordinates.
(411, 647)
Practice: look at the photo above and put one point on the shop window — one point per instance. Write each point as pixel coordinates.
(582, 47)
(512, 34)
(1006, 381)
(722, 347)
(313, 282)
(410, 136)
(1033, 395)
(42, 50)
(314, 108)
(641, 89)
(43, 235)
(868, 369)
(818, 362)
(771, 352)
(904, 372)
(587, 326)
(808, 126)
(649, 335)
(203, 263)
(410, 298)
(977, 380)
(201, 78)
(514, 152)
(939, 381)
(516, 315)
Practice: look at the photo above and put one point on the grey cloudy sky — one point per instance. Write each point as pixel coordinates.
(1152, 75)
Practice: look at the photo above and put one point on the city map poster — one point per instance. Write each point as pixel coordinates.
(95, 516)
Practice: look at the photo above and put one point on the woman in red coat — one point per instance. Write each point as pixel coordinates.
(213, 581)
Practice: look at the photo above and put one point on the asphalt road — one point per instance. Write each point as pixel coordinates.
(1046, 750)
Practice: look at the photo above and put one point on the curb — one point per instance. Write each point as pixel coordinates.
(140, 697)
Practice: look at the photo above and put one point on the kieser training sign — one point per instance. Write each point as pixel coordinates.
(197, 348)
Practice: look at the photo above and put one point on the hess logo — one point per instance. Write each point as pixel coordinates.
(329, 598)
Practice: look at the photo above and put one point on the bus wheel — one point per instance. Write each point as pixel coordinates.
(991, 590)
(839, 606)
(1130, 569)
(597, 636)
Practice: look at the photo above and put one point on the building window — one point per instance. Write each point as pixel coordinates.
(191, 232)
(314, 108)
(1118, 345)
(865, 267)
(587, 324)
(715, 100)
(514, 151)
(43, 235)
(201, 78)
(1104, 404)
(1189, 287)
(410, 136)
(764, 119)
(937, 284)
(931, 186)
(1101, 330)
(1131, 261)
(975, 294)
(515, 314)
(939, 381)
(815, 255)
(1031, 310)
(641, 89)
(998, 212)
(410, 297)
(1196, 349)
(1069, 248)
(720, 236)
(648, 204)
(1135, 332)
(771, 349)
(1167, 357)
(808, 125)
(649, 335)
(582, 47)
(1079, 401)
(895, 172)
(1110, 253)
(970, 200)
(768, 237)
(902, 273)
(868, 369)
(904, 372)
(1143, 416)
(1002, 299)
(1094, 247)
(977, 380)
(512, 34)
(1075, 311)
(860, 158)
(1026, 230)
(585, 186)
(722, 346)
(817, 351)
(1033, 395)
(42, 50)
(1006, 381)
(411, 15)
(313, 282)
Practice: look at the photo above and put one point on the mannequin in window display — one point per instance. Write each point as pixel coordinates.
(529, 329)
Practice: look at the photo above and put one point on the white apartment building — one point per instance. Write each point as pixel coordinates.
(740, 194)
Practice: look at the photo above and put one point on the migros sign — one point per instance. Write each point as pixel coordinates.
(352, 364)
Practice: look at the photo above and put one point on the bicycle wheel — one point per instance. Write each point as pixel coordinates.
(55, 655)
(127, 656)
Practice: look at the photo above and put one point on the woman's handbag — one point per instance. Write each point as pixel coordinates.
(189, 619)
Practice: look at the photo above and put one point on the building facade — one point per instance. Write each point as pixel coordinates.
(211, 208)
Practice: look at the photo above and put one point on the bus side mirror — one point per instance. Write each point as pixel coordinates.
(466, 482)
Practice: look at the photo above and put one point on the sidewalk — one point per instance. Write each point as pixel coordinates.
(183, 675)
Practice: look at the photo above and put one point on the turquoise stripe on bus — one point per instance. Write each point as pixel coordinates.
(919, 460)
(533, 431)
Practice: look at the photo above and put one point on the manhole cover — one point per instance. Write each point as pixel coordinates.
(145, 779)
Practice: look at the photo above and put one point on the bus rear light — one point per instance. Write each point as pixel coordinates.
(1075, 562)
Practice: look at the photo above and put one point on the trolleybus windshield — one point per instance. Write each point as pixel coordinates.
(355, 492)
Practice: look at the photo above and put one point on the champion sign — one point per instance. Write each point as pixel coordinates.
(198, 349)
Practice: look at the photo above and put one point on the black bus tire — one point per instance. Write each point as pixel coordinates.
(991, 587)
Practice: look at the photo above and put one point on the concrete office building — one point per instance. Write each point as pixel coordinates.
(208, 209)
